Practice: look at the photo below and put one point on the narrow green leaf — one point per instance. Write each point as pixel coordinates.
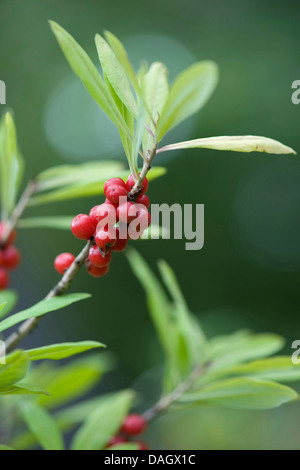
(8, 299)
(15, 368)
(73, 380)
(59, 222)
(85, 189)
(244, 349)
(3, 447)
(155, 232)
(155, 90)
(10, 165)
(122, 57)
(41, 308)
(22, 389)
(241, 393)
(137, 140)
(103, 423)
(279, 369)
(64, 175)
(125, 446)
(239, 143)
(61, 351)
(42, 425)
(115, 74)
(88, 74)
(189, 93)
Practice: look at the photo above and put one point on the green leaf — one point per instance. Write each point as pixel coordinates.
(65, 175)
(155, 89)
(86, 189)
(89, 75)
(73, 380)
(241, 393)
(3, 447)
(137, 141)
(239, 143)
(22, 389)
(59, 222)
(125, 446)
(11, 165)
(8, 299)
(15, 368)
(279, 369)
(122, 57)
(41, 308)
(115, 74)
(180, 336)
(103, 423)
(245, 348)
(42, 425)
(189, 93)
(61, 351)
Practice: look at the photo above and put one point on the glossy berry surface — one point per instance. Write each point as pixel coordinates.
(105, 213)
(83, 227)
(134, 424)
(63, 261)
(130, 184)
(11, 257)
(115, 192)
(96, 257)
(121, 243)
(4, 279)
(94, 270)
(144, 200)
(117, 181)
(104, 238)
(127, 212)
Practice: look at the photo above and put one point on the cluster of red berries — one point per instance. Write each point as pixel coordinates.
(10, 257)
(133, 425)
(111, 224)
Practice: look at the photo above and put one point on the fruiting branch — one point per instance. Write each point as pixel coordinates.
(165, 402)
(63, 285)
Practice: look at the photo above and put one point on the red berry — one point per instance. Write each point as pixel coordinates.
(121, 243)
(104, 215)
(108, 183)
(115, 192)
(115, 440)
(63, 261)
(96, 257)
(105, 237)
(140, 224)
(130, 184)
(4, 279)
(142, 445)
(94, 270)
(83, 227)
(1, 258)
(144, 200)
(12, 236)
(134, 424)
(126, 212)
(11, 257)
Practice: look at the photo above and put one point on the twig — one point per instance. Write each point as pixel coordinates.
(169, 399)
(18, 211)
(139, 183)
(29, 325)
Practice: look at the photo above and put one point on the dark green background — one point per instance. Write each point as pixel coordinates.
(247, 275)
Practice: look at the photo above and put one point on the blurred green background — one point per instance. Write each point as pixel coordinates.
(247, 274)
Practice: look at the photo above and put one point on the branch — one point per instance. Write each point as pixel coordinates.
(61, 287)
(166, 401)
(18, 211)
(139, 183)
